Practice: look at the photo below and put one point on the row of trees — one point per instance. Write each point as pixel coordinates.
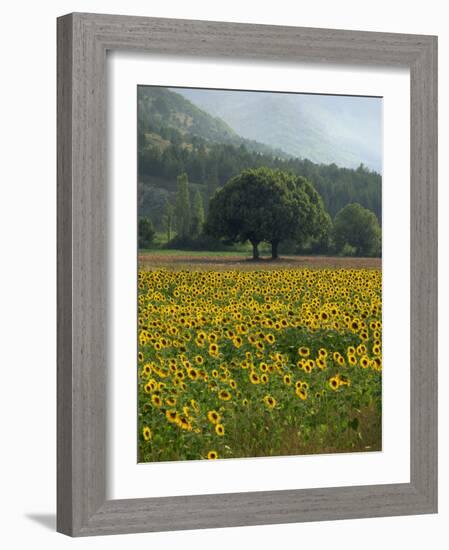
(183, 216)
(272, 206)
(186, 217)
(211, 165)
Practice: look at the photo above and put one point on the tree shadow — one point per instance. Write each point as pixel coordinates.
(46, 520)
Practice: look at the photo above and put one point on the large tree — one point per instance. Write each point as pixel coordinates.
(359, 228)
(265, 205)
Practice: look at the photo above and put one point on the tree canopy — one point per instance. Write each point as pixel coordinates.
(266, 205)
(357, 227)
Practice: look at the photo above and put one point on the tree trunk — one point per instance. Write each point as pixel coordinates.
(274, 250)
(255, 250)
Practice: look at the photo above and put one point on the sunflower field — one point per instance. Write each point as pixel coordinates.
(258, 363)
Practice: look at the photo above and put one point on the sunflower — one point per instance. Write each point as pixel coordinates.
(156, 400)
(192, 374)
(172, 416)
(219, 430)
(364, 362)
(307, 367)
(172, 367)
(304, 351)
(322, 352)
(376, 349)
(184, 424)
(224, 395)
(301, 393)
(237, 341)
(334, 383)
(213, 417)
(213, 350)
(269, 401)
(212, 455)
(146, 432)
(361, 349)
(146, 371)
(254, 378)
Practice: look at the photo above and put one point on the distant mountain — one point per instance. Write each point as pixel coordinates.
(325, 129)
(166, 116)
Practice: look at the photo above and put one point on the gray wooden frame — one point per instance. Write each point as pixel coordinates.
(83, 40)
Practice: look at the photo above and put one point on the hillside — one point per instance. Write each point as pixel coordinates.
(343, 130)
(167, 117)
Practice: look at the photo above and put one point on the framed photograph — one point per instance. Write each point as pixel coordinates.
(247, 274)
